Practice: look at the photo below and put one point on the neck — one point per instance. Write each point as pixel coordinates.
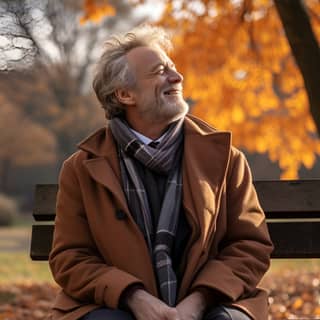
(150, 130)
(152, 133)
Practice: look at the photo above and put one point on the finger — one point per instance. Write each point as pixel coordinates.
(172, 314)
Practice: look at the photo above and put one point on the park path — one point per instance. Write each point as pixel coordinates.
(15, 239)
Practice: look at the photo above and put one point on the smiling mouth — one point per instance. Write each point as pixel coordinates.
(172, 92)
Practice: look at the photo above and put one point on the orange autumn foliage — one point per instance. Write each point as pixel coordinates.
(239, 71)
(96, 11)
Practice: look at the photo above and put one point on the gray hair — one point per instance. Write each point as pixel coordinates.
(113, 71)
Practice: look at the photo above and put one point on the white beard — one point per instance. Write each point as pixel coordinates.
(166, 111)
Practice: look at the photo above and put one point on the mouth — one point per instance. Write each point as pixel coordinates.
(172, 92)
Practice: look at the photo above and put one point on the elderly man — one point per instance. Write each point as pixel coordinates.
(157, 217)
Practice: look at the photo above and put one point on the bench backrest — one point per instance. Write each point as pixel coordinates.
(292, 209)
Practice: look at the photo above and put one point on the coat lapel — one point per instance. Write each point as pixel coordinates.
(205, 159)
(101, 170)
(105, 167)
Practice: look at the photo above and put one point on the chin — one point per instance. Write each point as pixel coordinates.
(168, 112)
(180, 110)
(171, 117)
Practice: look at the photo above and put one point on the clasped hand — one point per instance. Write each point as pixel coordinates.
(145, 306)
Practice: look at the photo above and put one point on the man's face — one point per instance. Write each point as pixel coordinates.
(157, 91)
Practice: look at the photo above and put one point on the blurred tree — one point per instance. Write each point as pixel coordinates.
(54, 55)
(23, 142)
(46, 62)
(240, 72)
(50, 32)
(53, 102)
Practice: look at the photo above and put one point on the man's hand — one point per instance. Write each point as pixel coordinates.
(192, 307)
(145, 306)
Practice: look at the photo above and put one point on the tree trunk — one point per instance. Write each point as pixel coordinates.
(305, 49)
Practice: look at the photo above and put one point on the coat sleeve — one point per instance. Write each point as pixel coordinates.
(74, 260)
(243, 256)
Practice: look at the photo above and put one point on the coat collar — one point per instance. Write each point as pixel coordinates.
(102, 144)
(103, 163)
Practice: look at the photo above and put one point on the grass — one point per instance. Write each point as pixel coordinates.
(18, 267)
(15, 263)
(278, 265)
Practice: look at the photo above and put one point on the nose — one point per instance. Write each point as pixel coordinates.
(175, 76)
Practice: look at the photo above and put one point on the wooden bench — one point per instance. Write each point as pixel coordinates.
(292, 209)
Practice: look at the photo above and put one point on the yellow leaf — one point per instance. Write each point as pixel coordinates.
(317, 311)
(308, 159)
(298, 303)
(238, 115)
(290, 173)
(95, 11)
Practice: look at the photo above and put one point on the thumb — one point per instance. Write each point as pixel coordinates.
(173, 314)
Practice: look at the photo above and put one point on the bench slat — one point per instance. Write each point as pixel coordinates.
(44, 208)
(295, 239)
(279, 199)
(41, 242)
(289, 198)
(291, 239)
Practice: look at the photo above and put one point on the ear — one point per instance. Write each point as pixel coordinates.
(125, 96)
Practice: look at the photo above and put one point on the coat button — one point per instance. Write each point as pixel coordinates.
(121, 215)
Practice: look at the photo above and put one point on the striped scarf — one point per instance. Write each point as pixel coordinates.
(165, 159)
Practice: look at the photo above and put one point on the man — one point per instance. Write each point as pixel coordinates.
(157, 217)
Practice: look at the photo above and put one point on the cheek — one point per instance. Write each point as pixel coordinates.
(155, 92)
(160, 86)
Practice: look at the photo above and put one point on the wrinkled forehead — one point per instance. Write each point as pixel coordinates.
(144, 59)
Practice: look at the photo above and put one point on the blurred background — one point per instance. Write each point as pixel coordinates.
(249, 66)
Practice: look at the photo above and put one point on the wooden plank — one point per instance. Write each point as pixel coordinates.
(291, 240)
(295, 239)
(41, 242)
(45, 202)
(279, 199)
(291, 198)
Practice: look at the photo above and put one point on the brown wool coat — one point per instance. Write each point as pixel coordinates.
(96, 255)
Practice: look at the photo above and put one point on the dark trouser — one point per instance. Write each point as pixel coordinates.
(217, 313)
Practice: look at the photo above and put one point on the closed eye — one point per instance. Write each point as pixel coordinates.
(163, 68)
(160, 71)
